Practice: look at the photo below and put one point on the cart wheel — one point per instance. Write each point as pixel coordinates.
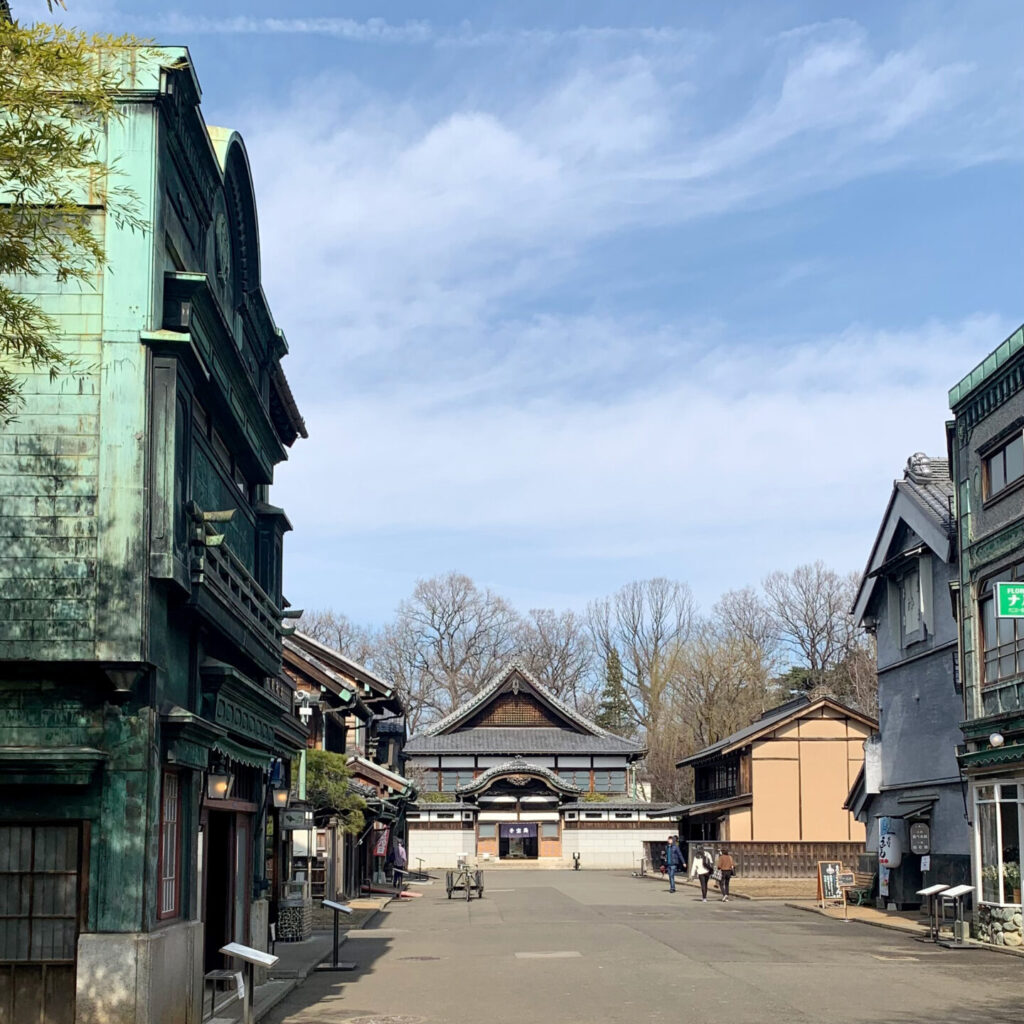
(448, 883)
(480, 884)
(469, 888)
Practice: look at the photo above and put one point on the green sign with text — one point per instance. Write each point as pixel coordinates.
(1010, 600)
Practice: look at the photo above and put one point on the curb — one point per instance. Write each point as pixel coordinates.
(973, 943)
(297, 979)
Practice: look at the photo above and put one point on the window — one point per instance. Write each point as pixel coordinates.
(452, 777)
(998, 815)
(170, 848)
(609, 781)
(488, 831)
(577, 776)
(1005, 466)
(624, 814)
(445, 814)
(911, 622)
(1002, 639)
(592, 814)
(549, 830)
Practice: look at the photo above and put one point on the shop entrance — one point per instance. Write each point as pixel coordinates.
(518, 841)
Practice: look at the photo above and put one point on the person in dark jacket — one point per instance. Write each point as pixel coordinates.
(726, 867)
(673, 862)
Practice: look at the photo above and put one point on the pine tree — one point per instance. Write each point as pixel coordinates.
(615, 710)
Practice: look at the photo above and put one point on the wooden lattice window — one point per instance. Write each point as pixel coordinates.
(170, 848)
(514, 710)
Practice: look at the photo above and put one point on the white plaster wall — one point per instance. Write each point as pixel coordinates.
(609, 848)
(439, 848)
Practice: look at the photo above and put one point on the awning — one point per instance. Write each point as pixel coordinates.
(523, 831)
(242, 754)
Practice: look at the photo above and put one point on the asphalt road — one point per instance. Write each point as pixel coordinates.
(605, 948)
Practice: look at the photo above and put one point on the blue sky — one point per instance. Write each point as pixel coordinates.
(587, 292)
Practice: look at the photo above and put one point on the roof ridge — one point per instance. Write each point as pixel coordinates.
(488, 689)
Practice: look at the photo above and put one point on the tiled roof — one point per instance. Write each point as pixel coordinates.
(768, 718)
(613, 805)
(927, 481)
(511, 740)
(463, 711)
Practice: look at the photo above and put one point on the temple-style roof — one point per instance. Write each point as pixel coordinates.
(511, 740)
(515, 714)
(518, 766)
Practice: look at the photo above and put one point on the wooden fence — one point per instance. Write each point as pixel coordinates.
(781, 860)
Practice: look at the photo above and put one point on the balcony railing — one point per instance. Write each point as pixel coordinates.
(225, 590)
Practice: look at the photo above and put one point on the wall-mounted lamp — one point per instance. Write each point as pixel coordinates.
(280, 798)
(218, 783)
(996, 739)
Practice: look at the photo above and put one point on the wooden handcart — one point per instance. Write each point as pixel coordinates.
(465, 879)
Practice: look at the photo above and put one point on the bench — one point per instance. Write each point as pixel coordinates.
(864, 886)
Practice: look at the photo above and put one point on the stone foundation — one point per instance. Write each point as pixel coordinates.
(294, 920)
(1000, 925)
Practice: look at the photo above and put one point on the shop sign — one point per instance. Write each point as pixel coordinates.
(1010, 600)
(380, 844)
(293, 819)
(518, 831)
(920, 838)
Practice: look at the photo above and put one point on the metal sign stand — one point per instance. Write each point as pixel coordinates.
(932, 893)
(957, 894)
(250, 957)
(345, 965)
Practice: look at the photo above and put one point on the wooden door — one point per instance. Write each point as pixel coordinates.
(40, 901)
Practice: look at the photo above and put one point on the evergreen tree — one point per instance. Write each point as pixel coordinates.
(615, 710)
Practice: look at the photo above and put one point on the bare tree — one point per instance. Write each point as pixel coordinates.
(338, 631)
(811, 610)
(447, 640)
(746, 614)
(646, 622)
(558, 651)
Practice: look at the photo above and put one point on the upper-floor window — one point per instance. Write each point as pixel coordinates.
(717, 781)
(609, 781)
(452, 777)
(911, 618)
(577, 776)
(1002, 638)
(1004, 466)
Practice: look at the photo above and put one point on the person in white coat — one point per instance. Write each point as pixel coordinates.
(701, 866)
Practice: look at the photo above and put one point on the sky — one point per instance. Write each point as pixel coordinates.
(583, 293)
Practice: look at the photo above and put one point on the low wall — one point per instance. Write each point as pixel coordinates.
(781, 860)
(439, 848)
(148, 978)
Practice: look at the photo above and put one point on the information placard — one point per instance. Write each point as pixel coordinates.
(828, 880)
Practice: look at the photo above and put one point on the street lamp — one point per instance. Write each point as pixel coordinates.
(280, 798)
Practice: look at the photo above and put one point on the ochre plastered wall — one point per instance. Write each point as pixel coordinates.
(801, 775)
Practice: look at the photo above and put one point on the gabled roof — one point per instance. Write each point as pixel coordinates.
(801, 707)
(921, 501)
(378, 773)
(366, 683)
(515, 668)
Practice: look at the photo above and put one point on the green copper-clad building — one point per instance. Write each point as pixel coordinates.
(144, 721)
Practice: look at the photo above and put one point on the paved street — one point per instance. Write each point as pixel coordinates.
(566, 947)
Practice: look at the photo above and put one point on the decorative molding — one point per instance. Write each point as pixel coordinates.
(519, 772)
(1006, 541)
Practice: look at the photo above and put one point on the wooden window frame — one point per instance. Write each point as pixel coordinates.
(1009, 486)
(165, 913)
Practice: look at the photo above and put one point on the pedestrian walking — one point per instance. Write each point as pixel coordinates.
(399, 859)
(725, 866)
(701, 867)
(673, 862)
